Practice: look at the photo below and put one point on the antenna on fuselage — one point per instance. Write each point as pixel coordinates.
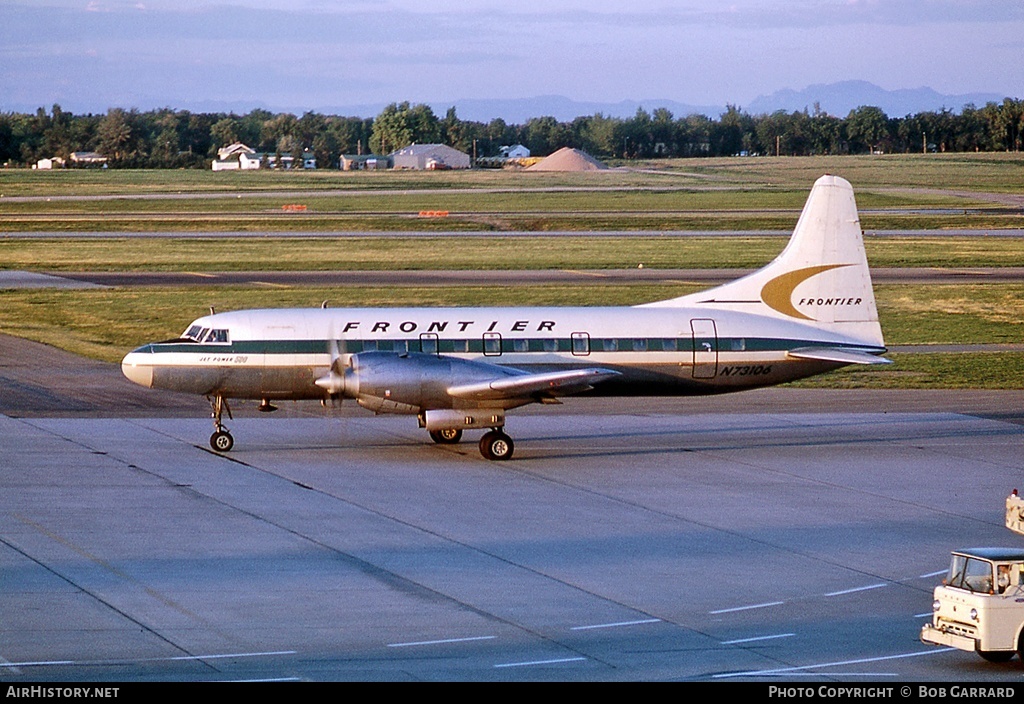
(212, 311)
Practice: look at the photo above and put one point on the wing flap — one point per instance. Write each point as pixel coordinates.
(842, 355)
(560, 383)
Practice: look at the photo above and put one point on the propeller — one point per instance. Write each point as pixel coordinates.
(333, 382)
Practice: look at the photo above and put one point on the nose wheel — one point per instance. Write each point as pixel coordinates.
(221, 440)
(495, 445)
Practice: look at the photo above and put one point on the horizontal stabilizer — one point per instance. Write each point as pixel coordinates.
(526, 385)
(843, 355)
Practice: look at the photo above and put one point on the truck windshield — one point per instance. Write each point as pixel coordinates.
(970, 573)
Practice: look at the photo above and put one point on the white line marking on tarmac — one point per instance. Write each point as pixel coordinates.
(933, 574)
(757, 638)
(274, 679)
(539, 662)
(440, 642)
(747, 608)
(856, 589)
(42, 663)
(225, 655)
(616, 625)
(11, 667)
(784, 670)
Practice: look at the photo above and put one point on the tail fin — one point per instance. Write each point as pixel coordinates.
(820, 278)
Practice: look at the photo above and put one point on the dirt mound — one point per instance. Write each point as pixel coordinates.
(568, 159)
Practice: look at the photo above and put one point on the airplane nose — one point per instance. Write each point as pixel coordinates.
(136, 368)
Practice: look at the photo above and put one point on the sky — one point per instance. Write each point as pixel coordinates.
(301, 55)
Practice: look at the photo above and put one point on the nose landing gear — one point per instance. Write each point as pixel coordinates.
(221, 440)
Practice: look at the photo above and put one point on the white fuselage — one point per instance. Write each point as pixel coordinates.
(281, 353)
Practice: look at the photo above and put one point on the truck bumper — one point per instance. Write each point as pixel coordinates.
(934, 636)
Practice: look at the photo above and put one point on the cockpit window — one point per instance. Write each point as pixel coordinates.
(217, 336)
(198, 333)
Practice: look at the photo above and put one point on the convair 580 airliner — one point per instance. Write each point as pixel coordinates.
(811, 310)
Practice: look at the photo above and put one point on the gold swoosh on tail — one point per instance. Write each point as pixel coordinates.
(778, 293)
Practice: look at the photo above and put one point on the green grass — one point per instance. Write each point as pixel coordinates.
(696, 194)
(980, 370)
(1000, 172)
(299, 253)
(105, 324)
(715, 194)
(995, 171)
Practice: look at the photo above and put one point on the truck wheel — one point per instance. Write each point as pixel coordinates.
(997, 655)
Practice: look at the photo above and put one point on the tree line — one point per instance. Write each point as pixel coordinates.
(168, 138)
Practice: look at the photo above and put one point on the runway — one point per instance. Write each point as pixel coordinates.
(792, 536)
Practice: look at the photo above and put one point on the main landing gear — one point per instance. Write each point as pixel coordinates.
(446, 436)
(221, 440)
(494, 445)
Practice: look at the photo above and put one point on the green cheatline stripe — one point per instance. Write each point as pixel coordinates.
(490, 345)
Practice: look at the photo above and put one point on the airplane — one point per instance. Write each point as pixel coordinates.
(809, 311)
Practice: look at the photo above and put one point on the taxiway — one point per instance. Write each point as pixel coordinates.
(777, 535)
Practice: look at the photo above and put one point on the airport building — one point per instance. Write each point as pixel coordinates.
(430, 157)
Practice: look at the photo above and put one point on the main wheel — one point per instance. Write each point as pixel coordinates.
(495, 445)
(221, 441)
(446, 436)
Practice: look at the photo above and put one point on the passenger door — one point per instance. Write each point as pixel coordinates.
(705, 348)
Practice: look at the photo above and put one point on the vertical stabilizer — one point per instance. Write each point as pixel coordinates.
(821, 278)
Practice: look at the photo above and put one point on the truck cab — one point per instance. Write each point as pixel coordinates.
(980, 605)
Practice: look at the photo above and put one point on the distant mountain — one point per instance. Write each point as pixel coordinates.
(840, 98)
(834, 98)
(516, 111)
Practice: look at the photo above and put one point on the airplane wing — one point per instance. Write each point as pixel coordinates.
(838, 354)
(560, 383)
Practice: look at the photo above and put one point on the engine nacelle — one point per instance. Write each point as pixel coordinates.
(386, 382)
(458, 419)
